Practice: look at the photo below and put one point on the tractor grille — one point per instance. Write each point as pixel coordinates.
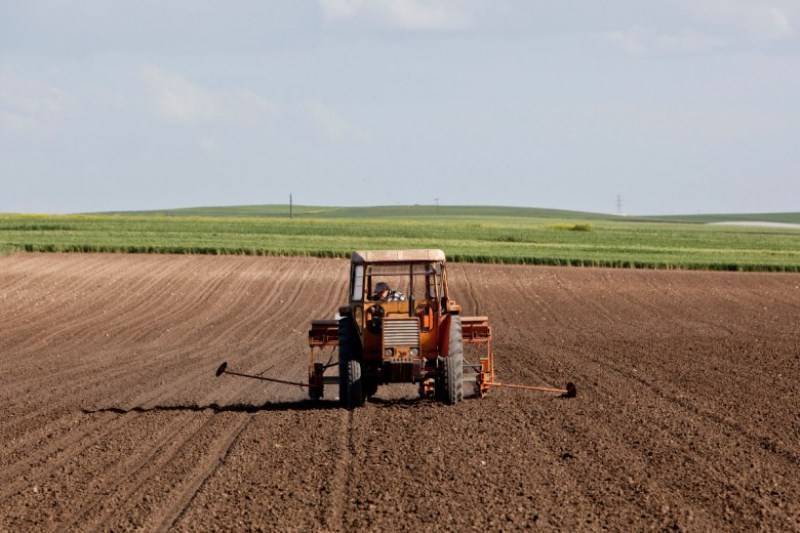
(403, 332)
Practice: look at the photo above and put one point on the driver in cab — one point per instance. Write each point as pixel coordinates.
(385, 294)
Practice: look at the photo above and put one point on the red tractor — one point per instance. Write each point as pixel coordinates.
(399, 326)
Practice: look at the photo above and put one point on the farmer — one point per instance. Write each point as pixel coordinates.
(385, 294)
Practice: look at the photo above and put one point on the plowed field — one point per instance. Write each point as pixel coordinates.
(688, 413)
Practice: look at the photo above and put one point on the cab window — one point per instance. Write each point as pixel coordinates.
(358, 283)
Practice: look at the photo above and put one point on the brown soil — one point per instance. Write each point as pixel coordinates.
(688, 414)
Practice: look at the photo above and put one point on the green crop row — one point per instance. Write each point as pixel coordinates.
(487, 238)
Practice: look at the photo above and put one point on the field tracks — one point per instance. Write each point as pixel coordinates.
(46, 459)
(759, 441)
(116, 482)
(214, 458)
(335, 501)
(142, 473)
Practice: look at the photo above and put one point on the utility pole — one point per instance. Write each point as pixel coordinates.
(619, 204)
(437, 205)
(290, 205)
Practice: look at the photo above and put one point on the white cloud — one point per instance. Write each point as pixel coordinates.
(713, 24)
(404, 14)
(640, 41)
(209, 145)
(178, 99)
(29, 106)
(330, 124)
(770, 19)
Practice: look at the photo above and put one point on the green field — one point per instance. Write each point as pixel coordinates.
(784, 218)
(414, 211)
(385, 211)
(481, 234)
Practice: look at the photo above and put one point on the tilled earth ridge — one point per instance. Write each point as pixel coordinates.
(688, 414)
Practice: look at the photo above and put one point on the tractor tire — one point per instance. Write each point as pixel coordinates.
(439, 387)
(351, 393)
(370, 386)
(451, 385)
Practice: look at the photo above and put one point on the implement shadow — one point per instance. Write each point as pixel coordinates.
(302, 405)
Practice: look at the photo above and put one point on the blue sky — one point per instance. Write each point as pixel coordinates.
(678, 106)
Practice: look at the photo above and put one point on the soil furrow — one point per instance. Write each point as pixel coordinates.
(686, 415)
(178, 509)
(113, 506)
(332, 507)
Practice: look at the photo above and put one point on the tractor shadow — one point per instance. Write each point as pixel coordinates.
(300, 405)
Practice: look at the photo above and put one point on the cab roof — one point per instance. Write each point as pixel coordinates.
(397, 256)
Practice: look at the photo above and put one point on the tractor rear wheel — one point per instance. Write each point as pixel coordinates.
(451, 382)
(370, 386)
(351, 377)
(351, 392)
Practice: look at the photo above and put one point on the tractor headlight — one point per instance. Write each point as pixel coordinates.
(388, 352)
(413, 352)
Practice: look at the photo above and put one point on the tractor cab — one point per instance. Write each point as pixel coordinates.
(397, 302)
